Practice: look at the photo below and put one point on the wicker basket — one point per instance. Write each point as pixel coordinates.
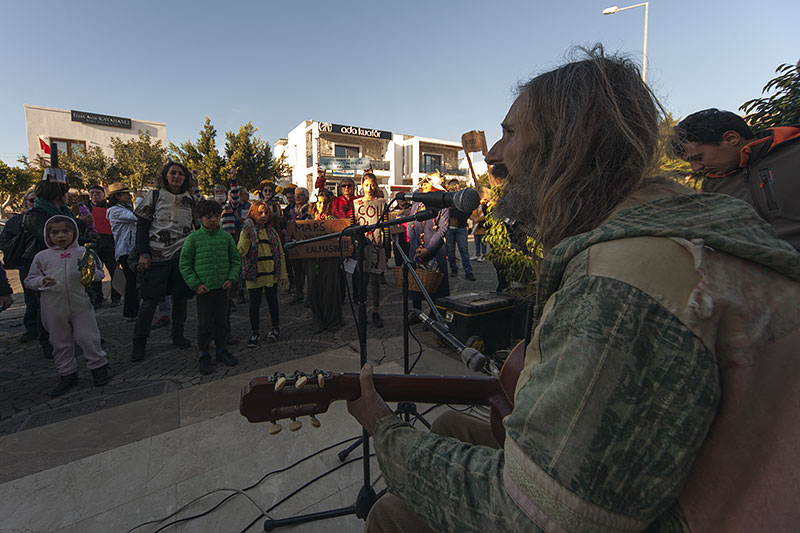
(430, 279)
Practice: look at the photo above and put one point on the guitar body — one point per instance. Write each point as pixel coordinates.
(271, 398)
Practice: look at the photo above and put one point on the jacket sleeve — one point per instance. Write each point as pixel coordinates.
(186, 264)
(141, 246)
(235, 260)
(604, 427)
(5, 286)
(244, 244)
(120, 215)
(35, 276)
(437, 239)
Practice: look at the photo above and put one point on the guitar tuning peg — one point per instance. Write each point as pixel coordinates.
(275, 428)
(314, 422)
(279, 383)
(321, 380)
(295, 425)
(301, 382)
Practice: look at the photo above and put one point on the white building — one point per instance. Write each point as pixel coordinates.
(75, 130)
(398, 160)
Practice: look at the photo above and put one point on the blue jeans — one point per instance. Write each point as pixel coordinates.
(458, 236)
(480, 247)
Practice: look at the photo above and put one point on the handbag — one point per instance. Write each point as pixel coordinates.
(250, 264)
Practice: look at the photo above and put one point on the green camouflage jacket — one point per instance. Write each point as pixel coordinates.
(620, 384)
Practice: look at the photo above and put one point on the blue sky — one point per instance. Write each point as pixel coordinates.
(429, 68)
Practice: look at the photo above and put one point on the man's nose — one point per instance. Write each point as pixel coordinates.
(495, 155)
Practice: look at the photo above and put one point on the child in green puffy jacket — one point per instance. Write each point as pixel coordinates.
(210, 266)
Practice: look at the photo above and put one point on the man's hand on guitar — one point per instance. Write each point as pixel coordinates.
(369, 407)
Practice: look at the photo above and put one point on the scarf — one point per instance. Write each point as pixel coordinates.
(49, 208)
(251, 230)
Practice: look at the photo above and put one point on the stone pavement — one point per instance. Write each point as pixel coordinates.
(26, 377)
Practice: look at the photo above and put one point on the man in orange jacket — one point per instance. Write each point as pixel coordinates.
(761, 169)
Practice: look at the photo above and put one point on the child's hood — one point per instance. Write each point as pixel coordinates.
(59, 218)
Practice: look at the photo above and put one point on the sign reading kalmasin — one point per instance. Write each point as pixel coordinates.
(327, 127)
(102, 120)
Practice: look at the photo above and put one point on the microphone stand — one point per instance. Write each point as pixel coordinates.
(366, 495)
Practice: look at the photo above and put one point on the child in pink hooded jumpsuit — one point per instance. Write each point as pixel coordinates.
(67, 312)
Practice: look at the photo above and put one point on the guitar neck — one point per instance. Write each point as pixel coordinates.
(426, 389)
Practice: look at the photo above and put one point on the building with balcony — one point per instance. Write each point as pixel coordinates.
(398, 160)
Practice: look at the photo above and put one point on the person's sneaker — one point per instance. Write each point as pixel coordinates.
(101, 375)
(296, 299)
(160, 323)
(232, 341)
(474, 258)
(454, 273)
(206, 364)
(273, 335)
(225, 357)
(377, 320)
(28, 336)
(242, 298)
(253, 340)
(130, 319)
(469, 277)
(139, 349)
(180, 341)
(65, 383)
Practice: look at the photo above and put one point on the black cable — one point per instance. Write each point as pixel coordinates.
(306, 484)
(419, 353)
(280, 470)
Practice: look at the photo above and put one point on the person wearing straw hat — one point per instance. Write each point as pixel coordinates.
(123, 227)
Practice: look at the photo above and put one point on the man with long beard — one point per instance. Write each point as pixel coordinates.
(659, 389)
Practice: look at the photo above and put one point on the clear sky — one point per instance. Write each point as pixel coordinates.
(429, 68)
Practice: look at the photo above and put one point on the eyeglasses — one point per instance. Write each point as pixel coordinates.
(348, 185)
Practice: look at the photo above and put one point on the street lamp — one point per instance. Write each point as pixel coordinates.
(614, 9)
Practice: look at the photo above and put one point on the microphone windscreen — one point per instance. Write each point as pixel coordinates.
(466, 200)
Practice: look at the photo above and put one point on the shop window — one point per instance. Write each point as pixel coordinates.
(341, 150)
(430, 163)
(69, 146)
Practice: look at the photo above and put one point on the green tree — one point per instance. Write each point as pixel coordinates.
(250, 155)
(15, 182)
(85, 167)
(282, 169)
(781, 108)
(202, 156)
(136, 162)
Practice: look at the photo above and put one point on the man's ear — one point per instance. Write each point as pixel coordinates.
(733, 138)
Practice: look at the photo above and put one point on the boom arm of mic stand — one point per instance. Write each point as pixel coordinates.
(472, 358)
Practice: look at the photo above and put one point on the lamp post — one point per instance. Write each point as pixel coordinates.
(614, 9)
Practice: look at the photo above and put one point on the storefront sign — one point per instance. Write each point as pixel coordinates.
(344, 163)
(102, 120)
(305, 229)
(327, 127)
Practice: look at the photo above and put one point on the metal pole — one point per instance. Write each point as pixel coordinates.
(644, 48)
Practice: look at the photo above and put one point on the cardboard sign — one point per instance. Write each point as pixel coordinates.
(400, 228)
(369, 212)
(305, 229)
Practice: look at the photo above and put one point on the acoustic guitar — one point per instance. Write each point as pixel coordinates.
(273, 398)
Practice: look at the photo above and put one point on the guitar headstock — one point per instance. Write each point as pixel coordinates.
(281, 396)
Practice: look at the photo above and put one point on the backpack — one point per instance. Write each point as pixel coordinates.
(14, 247)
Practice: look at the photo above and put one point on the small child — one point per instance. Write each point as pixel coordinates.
(67, 311)
(265, 267)
(210, 266)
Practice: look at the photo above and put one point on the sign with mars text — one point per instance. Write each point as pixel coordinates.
(300, 230)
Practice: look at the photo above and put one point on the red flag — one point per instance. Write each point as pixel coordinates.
(44, 145)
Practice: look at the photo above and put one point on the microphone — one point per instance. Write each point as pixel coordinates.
(471, 357)
(465, 200)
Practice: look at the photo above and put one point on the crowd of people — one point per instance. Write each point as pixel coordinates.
(659, 389)
(171, 244)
